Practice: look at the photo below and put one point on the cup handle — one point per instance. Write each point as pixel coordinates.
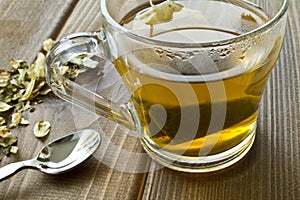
(70, 47)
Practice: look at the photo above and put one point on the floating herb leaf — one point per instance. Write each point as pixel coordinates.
(160, 13)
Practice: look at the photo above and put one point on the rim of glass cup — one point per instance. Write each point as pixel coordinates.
(244, 36)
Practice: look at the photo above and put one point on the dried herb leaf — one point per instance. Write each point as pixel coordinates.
(13, 149)
(15, 63)
(37, 69)
(45, 91)
(87, 62)
(248, 17)
(6, 142)
(4, 132)
(24, 122)
(76, 60)
(6, 150)
(4, 78)
(2, 121)
(42, 128)
(4, 107)
(15, 119)
(29, 88)
(48, 44)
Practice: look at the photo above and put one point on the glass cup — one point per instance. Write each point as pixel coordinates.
(194, 73)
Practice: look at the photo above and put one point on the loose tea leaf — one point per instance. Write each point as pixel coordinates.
(2, 121)
(7, 143)
(4, 78)
(248, 17)
(78, 65)
(42, 128)
(4, 132)
(48, 44)
(14, 149)
(15, 119)
(24, 122)
(4, 107)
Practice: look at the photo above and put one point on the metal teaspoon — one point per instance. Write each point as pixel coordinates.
(60, 155)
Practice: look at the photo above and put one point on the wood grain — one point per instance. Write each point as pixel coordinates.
(25, 24)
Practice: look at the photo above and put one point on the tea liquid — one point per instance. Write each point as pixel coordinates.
(183, 105)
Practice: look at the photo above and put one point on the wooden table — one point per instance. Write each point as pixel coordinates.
(270, 171)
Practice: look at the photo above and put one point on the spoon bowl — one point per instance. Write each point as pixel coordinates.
(60, 155)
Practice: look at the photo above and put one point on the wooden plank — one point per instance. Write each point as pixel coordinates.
(272, 168)
(111, 173)
(26, 23)
(86, 17)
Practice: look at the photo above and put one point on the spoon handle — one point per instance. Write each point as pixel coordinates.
(11, 169)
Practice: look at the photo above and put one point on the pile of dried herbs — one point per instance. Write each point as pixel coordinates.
(24, 85)
(21, 86)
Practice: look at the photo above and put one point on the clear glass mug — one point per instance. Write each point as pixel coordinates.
(194, 76)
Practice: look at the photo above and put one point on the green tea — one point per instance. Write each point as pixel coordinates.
(184, 105)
